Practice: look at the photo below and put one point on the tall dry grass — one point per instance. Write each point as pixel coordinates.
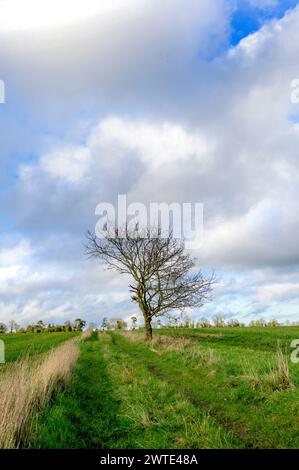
(187, 347)
(103, 335)
(86, 334)
(273, 376)
(280, 376)
(28, 385)
(168, 343)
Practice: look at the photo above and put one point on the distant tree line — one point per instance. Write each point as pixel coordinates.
(116, 323)
(220, 322)
(186, 322)
(217, 322)
(41, 327)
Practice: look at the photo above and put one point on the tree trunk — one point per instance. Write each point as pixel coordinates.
(148, 328)
(145, 312)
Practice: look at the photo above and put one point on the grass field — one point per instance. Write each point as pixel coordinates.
(36, 367)
(30, 344)
(208, 388)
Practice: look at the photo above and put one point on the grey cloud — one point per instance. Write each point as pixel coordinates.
(247, 176)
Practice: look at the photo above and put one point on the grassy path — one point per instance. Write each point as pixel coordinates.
(114, 402)
(160, 416)
(212, 379)
(85, 414)
(177, 394)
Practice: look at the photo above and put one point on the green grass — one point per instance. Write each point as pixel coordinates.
(189, 390)
(27, 344)
(84, 415)
(262, 339)
(113, 402)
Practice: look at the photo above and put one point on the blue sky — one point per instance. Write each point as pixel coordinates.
(248, 17)
(181, 101)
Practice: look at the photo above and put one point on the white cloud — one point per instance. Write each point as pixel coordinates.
(17, 15)
(274, 292)
(173, 125)
(155, 143)
(12, 273)
(16, 254)
(136, 51)
(69, 163)
(108, 146)
(263, 236)
(255, 44)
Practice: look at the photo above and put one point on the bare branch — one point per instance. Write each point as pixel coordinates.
(160, 268)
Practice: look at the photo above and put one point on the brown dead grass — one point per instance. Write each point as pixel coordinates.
(187, 346)
(103, 335)
(28, 385)
(86, 334)
(133, 335)
(169, 343)
(201, 357)
(279, 376)
(272, 376)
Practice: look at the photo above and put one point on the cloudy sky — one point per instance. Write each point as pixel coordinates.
(180, 100)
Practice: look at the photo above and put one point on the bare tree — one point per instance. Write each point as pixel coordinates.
(121, 324)
(79, 324)
(218, 321)
(105, 324)
(134, 322)
(13, 326)
(203, 323)
(160, 268)
(3, 328)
